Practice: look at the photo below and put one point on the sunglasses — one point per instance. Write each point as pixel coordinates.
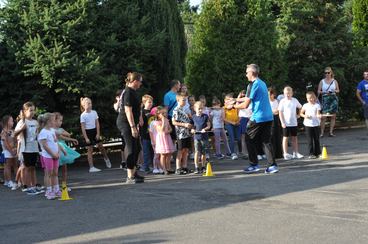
(327, 73)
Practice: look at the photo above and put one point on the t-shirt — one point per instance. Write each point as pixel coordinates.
(89, 119)
(217, 118)
(181, 116)
(261, 108)
(200, 122)
(146, 114)
(311, 110)
(231, 115)
(31, 144)
(288, 109)
(363, 88)
(170, 102)
(51, 141)
(130, 99)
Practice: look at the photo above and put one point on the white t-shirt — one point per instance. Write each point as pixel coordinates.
(89, 119)
(245, 113)
(274, 105)
(217, 118)
(31, 144)
(311, 110)
(288, 109)
(51, 141)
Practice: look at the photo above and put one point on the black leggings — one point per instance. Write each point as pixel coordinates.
(132, 146)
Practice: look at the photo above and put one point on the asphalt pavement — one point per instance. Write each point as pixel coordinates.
(308, 201)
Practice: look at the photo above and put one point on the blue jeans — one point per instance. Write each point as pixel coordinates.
(147, 153)
(234, 133)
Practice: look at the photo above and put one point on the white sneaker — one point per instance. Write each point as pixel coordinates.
(234, 156)
(298, 155)
(156, 171)
(15, 186)
(160, 171)
(264, 156)
(108, 163)
(287, 156)
(6, 183)
(10, 184)
(259, 157)
(94, 170)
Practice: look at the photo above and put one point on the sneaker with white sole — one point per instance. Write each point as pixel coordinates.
(287, 156)
(94, 170)
(298, 155)
(156, 171)
(259, 157)
(108, 163)
(272, 169)
(252, 169)
(15, 186)
(50, 195)
(234, 156)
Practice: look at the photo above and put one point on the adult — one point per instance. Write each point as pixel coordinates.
(128, 121)
(329, 88)
(362, 95)
(260, 123)
(171, 103)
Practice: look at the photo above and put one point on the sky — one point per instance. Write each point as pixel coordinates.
(195, 2)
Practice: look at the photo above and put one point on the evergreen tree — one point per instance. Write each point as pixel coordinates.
(228, 35)
(360, 21)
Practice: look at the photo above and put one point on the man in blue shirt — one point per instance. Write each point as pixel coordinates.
(171, 103)
(362, 95)
(259, 125)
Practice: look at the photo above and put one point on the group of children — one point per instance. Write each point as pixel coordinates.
(44, 140)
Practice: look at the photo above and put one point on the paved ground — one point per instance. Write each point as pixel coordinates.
(309, 201)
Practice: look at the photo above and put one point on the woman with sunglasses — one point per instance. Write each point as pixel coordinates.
(328, 88)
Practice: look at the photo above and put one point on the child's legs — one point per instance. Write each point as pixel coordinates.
(315, 138)
(102, 150)
(7, 169)
(217, 133)
(163, 161)
(19, 175)
(310, 139)
(64, 173)
(224, 139)
(285, 144)
(178, 158)
(230, 132)
(237, 137)
(156, 161)
(168, 161)
(294, 144)
(14, 166)
(147, 153)
(55, 171)
(90, 156)
(184, 157)
(47, 177)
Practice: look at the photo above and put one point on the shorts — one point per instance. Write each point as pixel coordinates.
(184, 143)
(200, 146)
(290, 131)
(49, 163)
(91, 134)
(30, 159)
(243, 125)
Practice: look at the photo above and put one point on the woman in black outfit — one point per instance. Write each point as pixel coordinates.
(128, 122)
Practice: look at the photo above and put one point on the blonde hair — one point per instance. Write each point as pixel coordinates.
(145, 98)
(82, 101)
(58, 115)
(159, 111)
(329, 69)
(288, 89)
(311, 93)
(198, 104)
(43, 119)
(25, 107)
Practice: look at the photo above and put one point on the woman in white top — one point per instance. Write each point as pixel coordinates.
(329, 88)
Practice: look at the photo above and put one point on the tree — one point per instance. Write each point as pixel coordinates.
(228, 35)
(360, 21)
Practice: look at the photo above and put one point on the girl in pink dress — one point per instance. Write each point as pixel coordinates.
(164, 144)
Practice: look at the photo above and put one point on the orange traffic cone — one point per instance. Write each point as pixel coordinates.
(64, 193)
(208, 170)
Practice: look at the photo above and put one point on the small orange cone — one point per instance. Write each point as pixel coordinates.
(208, 170)
(64, 193)
(324, 153)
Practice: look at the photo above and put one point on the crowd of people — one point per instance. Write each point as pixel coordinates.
(255, 124)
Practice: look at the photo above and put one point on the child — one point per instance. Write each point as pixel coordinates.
(288, 117)
(91, 133)
(163, 142)
(218, 115)
(191, 101)
(153, 133)
(116, 105)
(147, 102)
(201, 124)
(8, 144)
(276, 138)
(50, 154)
(63, 136)
(28, 151)
(182, 124)
(232, 122)
(311, 112)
